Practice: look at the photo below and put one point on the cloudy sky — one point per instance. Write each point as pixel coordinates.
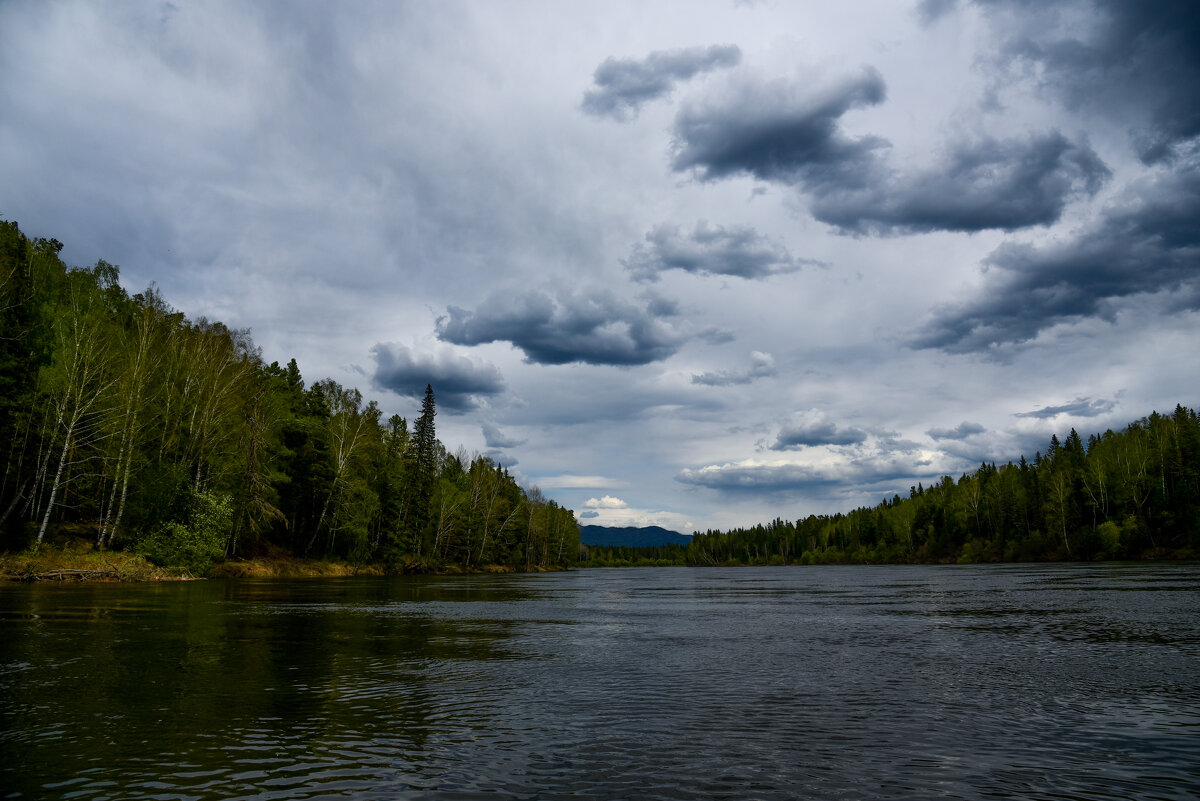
(696, 265)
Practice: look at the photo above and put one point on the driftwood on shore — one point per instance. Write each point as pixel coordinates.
(71, 574)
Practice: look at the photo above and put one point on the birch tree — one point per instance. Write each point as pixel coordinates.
(348, 429)
(137, 346)
(77, 380)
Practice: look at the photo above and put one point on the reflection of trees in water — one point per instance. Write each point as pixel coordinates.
(148, 682)
(799, 682)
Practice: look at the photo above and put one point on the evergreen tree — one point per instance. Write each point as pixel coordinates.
(424, 463)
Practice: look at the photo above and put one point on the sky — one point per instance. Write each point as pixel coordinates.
(697, 265)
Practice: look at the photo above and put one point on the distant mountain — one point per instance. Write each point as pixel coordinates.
(631, 537)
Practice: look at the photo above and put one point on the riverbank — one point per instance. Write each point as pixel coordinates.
(78, 563)
(59, 564)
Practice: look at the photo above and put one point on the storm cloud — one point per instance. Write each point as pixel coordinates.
(790, 134)
(988, 184)
(757, 477)
(810, 434)
(1136, 62)
(1080, 407)
(622, 86)
(592, 327)
(737, 251)
(459, 384)
(1147, 243)
(783, 478)
(779, 130)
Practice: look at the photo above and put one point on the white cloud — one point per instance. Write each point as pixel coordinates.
(579, 482)
(607, 502)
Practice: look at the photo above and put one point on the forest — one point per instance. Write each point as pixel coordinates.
(1132, 494)
(130, 425)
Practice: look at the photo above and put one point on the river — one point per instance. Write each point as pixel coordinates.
(855, 682)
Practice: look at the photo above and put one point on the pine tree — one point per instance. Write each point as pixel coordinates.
(424, 461)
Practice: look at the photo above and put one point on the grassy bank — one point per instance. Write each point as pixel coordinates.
(58, 564)
(78, 561)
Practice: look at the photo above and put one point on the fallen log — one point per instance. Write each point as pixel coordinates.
(72, 574)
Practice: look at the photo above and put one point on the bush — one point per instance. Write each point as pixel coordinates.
(195, 546)
(975, 551)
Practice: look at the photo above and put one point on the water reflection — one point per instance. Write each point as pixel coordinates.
(856, 682)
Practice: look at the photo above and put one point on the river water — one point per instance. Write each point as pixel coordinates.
(1032, 681)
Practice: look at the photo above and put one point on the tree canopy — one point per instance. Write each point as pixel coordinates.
(1126, 494)
(125, 421)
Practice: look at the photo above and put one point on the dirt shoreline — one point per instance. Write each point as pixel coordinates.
(65, 565)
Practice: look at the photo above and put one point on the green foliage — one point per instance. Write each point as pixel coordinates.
(120, 414)
(195, 545)
(1126, 495)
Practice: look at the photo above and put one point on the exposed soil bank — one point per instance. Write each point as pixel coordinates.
(53, 563)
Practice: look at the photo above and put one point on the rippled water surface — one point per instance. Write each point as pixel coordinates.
(774, 683)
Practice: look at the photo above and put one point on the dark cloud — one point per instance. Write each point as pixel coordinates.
(762, 365)
(930, 11)
(757, 478)
(1148, 242)
(779, 131)
(893, 442)
(811, 434)
(797, 478)
(783, 133)
(961, 431)
(458, 383)
(710, 250)
(659, 306)
(1134, 62)
(1080, 407)
(591, 327)
(981, 185)
(588, 515)
(623, 85)
(497, 439)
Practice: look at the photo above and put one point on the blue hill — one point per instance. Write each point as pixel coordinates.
(631, 537)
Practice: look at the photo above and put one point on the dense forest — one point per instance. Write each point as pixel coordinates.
(1131, 494)
(126, 422)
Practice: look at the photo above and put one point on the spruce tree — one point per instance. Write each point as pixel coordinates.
(424, 461)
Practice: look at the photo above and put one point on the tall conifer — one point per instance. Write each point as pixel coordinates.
(425, 458)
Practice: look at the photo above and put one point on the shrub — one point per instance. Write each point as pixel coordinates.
(195, 546)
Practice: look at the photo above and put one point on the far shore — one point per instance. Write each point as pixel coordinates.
(68, 564)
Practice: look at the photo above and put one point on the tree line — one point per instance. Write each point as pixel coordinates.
(124, 421)
(1128, 494)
